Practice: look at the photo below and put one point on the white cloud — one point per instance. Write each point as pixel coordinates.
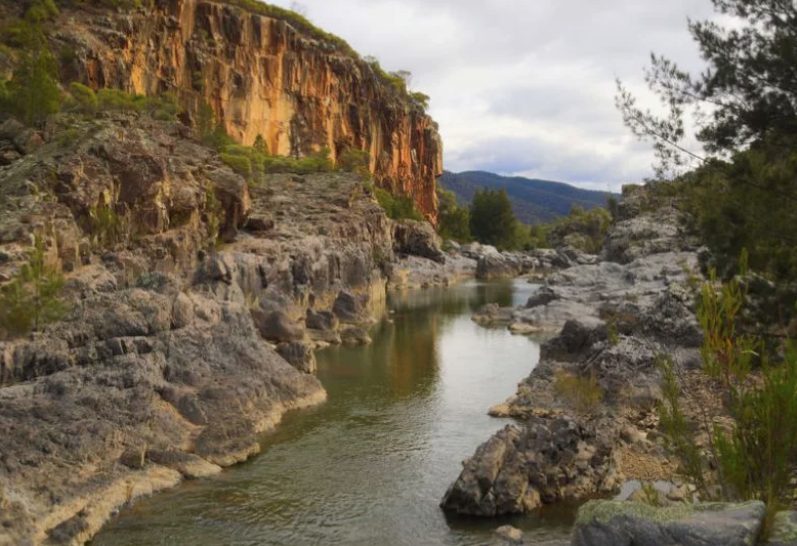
(524, 86)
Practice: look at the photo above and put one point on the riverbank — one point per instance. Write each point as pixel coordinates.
(586, 414)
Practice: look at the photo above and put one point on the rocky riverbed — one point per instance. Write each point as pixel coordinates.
(614, 315)
(586, 416)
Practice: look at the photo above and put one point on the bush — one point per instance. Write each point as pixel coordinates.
(355, 161)
(239, 163)
(582, 393)
(33, 297)
(582, 229)
(397, 207)
(164, 107)
(754, 457)
(107, 228)
(85, 98)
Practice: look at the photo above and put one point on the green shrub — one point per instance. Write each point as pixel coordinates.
(107, 228)
(85, 98)
(582, 393)
(33, 297)
(583, 229)
(355, 161)
(213, 213)
(239, 163)
(164, 108)
(754, 457)
(397, 207)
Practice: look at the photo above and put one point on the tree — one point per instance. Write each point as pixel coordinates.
(749, 86)
(453, 221)
(492, 220)
(33, 93)
(33, 297)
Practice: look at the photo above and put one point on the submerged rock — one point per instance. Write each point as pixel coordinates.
(622, 523)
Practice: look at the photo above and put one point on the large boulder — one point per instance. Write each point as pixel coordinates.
(521, 468)
(417, 239)
(620, 523)
(276, 326)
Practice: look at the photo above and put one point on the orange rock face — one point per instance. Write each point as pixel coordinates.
(262, 77)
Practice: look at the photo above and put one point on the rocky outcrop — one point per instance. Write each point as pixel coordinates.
(413, 238)
(519, 469)
(262, 76)
(600, 373)
(188, 331)
(616, 523)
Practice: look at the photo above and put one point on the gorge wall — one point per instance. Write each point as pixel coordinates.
(261, 76)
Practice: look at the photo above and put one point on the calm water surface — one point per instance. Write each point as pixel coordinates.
(371, 464)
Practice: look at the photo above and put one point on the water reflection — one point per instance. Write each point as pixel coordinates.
(371, 464)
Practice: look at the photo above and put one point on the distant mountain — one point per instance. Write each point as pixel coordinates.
(534, 201)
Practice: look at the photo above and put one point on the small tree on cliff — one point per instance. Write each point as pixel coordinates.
(33, 297)
(492, 220)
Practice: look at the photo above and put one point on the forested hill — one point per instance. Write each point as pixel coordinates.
(533, 201)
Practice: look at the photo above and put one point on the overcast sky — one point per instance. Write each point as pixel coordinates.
(524, 86)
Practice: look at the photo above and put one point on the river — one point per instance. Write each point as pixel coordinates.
(371, 464)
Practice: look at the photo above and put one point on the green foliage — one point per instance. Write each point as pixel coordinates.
(260, 145)
(33, 297)
(492, 220)
(397, 206)
(164, 107)
(355, 161)
(749, 202)
(679, 429)
(239, 163)
(612, 335)
(107, 228)
(205, 125)
(727, 354)
(85, 98)
(32, 94)
(613, 206)
(583, 393)
(582, 229)
(748, 85)
(420, 98)
(41, 10)
(755, 456)
(296, 20)
(453, 221)
(213, 212)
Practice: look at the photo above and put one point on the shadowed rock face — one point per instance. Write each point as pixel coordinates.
(261, 77)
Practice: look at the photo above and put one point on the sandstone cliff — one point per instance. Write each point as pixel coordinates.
(262, 77)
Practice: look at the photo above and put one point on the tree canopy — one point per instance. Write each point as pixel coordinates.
(747, 92)
(492, 220)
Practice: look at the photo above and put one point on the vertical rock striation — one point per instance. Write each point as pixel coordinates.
(261, 76)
